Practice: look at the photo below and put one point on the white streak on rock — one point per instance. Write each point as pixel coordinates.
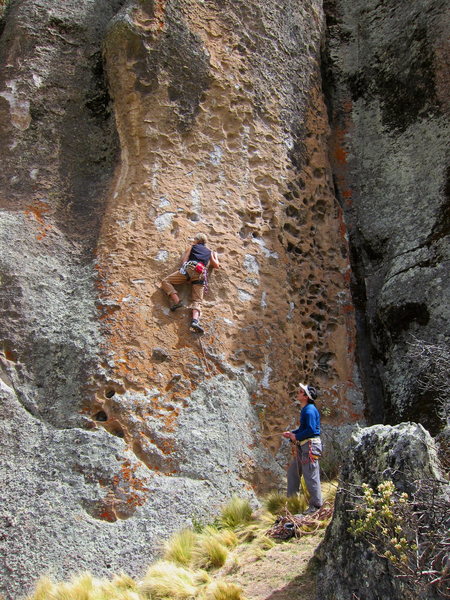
(18, 109)
(162, 256)
(244, 296)
(265, 250)
(164, 221)
(263, 300)
(216, 155)
(251, 264)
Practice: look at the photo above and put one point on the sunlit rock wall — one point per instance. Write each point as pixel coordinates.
(223, 130)
(126, 128)
(387, 82)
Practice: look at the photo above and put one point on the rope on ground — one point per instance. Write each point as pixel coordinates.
(288, 525)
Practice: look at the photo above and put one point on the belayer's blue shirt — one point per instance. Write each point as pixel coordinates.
(309, 423)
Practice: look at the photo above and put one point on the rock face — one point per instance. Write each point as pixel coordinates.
(128, 126)
(387, 87)
(347, 568)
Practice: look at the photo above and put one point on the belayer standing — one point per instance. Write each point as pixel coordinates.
(308, 449)
(194, 269)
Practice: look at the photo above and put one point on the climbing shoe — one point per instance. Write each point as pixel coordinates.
(175, 306)
(195, 326)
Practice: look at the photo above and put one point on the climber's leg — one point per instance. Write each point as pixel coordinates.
(198, 290)
(167, 284)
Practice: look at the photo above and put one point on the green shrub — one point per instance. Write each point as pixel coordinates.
(4, 4)
(410, 532)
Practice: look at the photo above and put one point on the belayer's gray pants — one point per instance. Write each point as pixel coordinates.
(306, 464)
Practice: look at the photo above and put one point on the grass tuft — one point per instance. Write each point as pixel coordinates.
(296, 504)
(224, 591)
(169, 581)
(329, 490)
(179, 547)
(209, 552)
(236, 512)
(275, 502)
(188, 555)
(44, 589)
(225, 536)
(255, 532)
(124, 582)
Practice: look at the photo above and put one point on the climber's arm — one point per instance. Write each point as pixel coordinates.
(185, 255)
(214, 260)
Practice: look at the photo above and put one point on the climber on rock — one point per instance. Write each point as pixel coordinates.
(308, 449)
(194, 269)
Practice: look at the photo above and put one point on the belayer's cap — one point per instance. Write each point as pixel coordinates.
(309, 391)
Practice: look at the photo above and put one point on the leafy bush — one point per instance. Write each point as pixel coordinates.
(411, 533)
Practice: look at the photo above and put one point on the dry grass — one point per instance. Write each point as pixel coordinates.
(179, 547)
(227, 537)
(221, 590)
(86, 587)
(236, 512)
(274, 502)
(209, 552)
(165, 580)
(182, 575)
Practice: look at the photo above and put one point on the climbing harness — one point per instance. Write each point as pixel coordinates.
(193, 268)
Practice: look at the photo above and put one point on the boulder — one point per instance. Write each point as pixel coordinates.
(347, 566)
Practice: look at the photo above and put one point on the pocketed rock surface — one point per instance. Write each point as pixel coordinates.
(128, 127)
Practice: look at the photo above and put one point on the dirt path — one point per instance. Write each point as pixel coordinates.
(277, 574)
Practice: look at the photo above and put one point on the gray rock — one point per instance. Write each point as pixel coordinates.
(389, 112)
(403, 454)
(83, 501)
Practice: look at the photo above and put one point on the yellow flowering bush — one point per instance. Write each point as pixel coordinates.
(411, 533)
(379, 514)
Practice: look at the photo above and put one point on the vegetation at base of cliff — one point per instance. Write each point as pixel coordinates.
(433, 377)
(4, 4)
(410, 532)
(199, 564)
